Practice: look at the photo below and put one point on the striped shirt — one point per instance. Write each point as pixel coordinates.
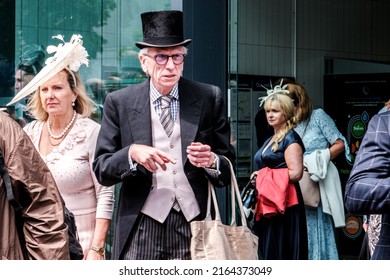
(155, 96)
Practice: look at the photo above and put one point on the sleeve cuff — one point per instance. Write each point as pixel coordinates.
(132, 165)
(214, 171)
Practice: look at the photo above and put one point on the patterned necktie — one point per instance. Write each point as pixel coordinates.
(166, 118)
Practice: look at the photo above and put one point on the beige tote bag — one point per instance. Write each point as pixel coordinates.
(213, 240)
(310, 190)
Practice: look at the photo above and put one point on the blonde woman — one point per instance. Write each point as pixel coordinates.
(66, 137)
(282, 236)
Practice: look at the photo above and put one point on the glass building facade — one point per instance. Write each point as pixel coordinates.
(109, 29)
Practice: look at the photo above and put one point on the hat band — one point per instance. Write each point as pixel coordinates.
(163, 40)
(71, 73)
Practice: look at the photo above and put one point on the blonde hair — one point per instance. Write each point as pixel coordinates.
(304, 106)
(84, 105)
(286, 105)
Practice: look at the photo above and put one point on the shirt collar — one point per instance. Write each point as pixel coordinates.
(155, 94)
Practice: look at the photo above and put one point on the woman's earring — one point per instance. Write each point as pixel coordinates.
(73, 104)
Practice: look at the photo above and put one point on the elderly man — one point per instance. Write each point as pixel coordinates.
(164, 139)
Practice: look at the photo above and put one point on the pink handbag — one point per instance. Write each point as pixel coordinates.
(310, 190)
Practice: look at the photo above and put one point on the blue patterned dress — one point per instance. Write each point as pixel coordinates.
(321, 131)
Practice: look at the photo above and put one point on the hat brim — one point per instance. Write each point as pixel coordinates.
(47, 72)
(142, 45)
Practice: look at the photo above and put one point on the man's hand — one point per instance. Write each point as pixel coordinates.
(200, 155)
(150, 157)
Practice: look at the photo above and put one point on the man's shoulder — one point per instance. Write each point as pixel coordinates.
(200, 89)
(381, 117)
(186, 82)
(130, 89)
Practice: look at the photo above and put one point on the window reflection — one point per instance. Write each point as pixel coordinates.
(109, 29)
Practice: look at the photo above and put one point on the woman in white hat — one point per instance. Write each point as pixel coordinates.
(66, 137)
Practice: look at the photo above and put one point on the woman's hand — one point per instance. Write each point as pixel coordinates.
(253, 177)
(92, 255)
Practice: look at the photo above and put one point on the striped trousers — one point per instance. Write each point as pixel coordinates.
(151, 240)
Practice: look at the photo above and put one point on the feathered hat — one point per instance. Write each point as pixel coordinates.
(68, 55)
(277, 89)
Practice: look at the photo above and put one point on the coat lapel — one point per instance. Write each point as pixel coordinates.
(191, 107)
(139, 116)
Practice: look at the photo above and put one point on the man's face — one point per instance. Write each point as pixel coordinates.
(164, 76)
(22, 79)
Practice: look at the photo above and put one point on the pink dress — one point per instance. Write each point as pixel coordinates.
(71, 165)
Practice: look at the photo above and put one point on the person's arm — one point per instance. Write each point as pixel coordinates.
(336, 148)
(43, 213)
(212, 143)
(294, 160)
(221, 147)
(111, 160)
(337, 142)
(368, 187)
(97, 251)
(104, 208)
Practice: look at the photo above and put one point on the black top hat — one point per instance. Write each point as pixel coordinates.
(162, 29)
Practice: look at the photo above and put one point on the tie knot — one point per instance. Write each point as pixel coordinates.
(166, 100)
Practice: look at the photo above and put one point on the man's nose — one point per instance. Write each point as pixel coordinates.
(170, 63)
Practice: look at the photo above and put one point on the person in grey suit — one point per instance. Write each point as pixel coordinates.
(164, 165)
(368, 187)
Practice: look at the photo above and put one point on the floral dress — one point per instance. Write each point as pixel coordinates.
(317, 133)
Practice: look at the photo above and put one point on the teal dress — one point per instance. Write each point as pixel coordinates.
(320, 131)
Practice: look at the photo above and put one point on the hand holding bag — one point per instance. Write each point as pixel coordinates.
(249, 199)
(213, 240)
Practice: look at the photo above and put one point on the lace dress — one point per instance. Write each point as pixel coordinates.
(320, 131)
(71, 166)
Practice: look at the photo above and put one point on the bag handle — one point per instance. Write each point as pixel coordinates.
(234, 200)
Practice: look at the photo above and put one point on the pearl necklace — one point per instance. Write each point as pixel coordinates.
(64, 131)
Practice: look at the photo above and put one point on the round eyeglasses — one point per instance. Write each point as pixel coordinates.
(162, 59)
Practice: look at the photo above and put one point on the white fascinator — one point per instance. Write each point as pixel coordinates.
(68, 55)
(277, 89)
